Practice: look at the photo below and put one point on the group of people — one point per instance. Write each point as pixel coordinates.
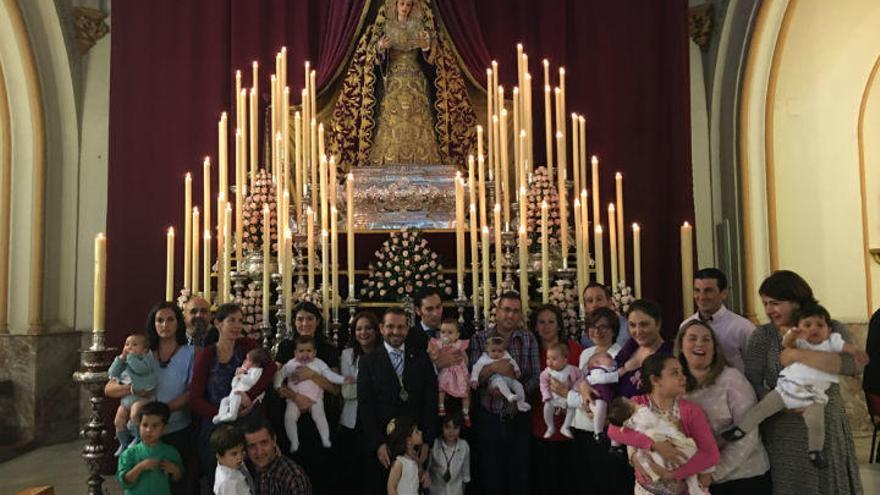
(724, 407)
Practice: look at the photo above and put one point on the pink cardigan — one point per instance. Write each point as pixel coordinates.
(693, 424)
(574, 376)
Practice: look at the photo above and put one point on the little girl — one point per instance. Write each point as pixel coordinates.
(245, 377)
(404, 440)
(626, 413)
(602, 376)
(559, 369)
(509, 387)
(452, 380)
(136, 367)
(304, 355)
(450, 460)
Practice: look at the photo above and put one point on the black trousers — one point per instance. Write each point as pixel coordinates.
(606, 473)
(183, 440)
(758, 485)
(555, 468)
(503, 452)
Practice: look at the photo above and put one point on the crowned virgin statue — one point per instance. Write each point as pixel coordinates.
(403, 100)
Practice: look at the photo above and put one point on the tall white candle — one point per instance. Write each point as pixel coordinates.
(349, 232)
(267, 253)
(637, 260)
(187, 230)
(486, 284)
(475, 258)
(597, 213)
(169, 265)
(196, 233)
(523, 268)
(600, 256)
(621, 241)
(100, 284)
(612, 243)
(563, 199)
(687, 268)
(206, 265)
(496, 228)
(545, 255)
(325, 276)
(310, 247)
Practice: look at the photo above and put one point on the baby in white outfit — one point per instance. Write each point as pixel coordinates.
(245, 378)
(509, 387)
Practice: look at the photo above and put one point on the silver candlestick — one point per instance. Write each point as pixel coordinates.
(92, 375)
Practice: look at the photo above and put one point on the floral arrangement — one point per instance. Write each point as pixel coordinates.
(542, 189)
(251, 308)
(403, 265)
(622, 297)
(563, 295)
(184, 297)
(261, 193)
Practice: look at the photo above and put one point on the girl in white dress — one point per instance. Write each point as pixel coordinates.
(404, 440)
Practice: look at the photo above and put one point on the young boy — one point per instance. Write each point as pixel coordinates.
(231, 476)
(801, 386)
(145, 467)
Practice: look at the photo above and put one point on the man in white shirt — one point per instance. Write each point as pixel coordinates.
(731, 329)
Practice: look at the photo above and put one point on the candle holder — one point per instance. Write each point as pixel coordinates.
(508, 243)
(566, 273)
(351, 303)
(279, 303)
(300, 238)
(460, 303)
(92, 375)
(490, 195)
(239, 284)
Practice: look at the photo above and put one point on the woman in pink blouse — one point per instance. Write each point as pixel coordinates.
(664, 384)
(725, 395)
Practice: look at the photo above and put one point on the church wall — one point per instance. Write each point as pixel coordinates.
(870, 139)
(823, 65)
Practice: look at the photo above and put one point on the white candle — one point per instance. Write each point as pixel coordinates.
(310, 246)
(563, 199)
(196, 232)
(267, 250)
(206, 265)
(475, 258)
(596, 211)
(687, 269)
(637, 260)
(523, 269)
(187, 230)
(325, 276)
(206, 192)
(459, 234)
(100, 284)
(349, 232)
(600, 257)
(612, 242)
(578, 251)
(222, 153)
(287, 281)
(499, 257)
(621, 241)
(548, 129)
(575, 154)
(585, 237)
(505, 167)
(169, 265)
(545, 255)
(227, 254)
(486, 286)
(334, 255)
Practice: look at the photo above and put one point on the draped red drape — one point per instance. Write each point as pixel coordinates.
(171, 76)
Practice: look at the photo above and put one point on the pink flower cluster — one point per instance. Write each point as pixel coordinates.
(564, 296)
(542, 189)
(403, 265)
(261, 193)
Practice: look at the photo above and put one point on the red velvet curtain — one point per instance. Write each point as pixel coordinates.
(171, 76)
(627, 70)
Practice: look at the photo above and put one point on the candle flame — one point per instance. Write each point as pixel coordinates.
(497, 207)
(350, 177)
(594, 160)
(101, 236)
(686, 225)
(207, 235)
(618, 175)
(636, 227)
(516, 90)
(195, 210)
(545, 62)
(558, 134)
(562, 71)
(584, 192)
(598, 229)
(577, 202)
(522, 229)
(170, 231)
(265, 207)
(254, 64)
(522, 133)
(544, 204)
(253, 91)
(610, 206)
(485, 230)
(324, 233)
(503, 113)
(287, 233)
(547, 88)
(557, 90)
(207, 161)
(473, 208)
(189, 177)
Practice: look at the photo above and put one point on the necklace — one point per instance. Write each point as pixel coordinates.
(447, 475)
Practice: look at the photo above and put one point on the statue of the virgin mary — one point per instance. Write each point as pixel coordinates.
(403, 100)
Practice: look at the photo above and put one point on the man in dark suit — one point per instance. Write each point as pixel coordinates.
(428, 304)
(394, 380)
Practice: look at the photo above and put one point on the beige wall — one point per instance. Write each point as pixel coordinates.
(811, 61)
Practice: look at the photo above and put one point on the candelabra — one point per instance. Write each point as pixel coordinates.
(280, 323)
(239, 283)
(92, 375)
(508, 243)
(351, 303)
(460, 303)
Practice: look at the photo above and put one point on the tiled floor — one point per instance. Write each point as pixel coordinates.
(60, 466)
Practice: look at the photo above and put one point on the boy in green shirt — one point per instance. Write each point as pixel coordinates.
(144, 467)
